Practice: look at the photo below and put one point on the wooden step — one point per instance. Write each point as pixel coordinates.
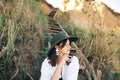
(52, 22)
(54, 31)
(52, 14)
(84, 63)
(52, 26)
(57, 29)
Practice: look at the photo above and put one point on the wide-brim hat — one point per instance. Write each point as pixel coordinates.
(60, 37)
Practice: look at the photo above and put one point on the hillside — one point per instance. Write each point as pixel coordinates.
(98, 28)
(24, 35)
(95, 14)
(91, 14)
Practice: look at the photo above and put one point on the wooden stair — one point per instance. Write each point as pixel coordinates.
(55, 27)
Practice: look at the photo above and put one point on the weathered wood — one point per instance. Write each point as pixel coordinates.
(84, 63)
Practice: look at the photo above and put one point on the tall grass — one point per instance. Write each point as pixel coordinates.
(100, 47)
(22, 23)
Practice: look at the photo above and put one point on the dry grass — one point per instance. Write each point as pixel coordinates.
(22, 28)
(101, 47)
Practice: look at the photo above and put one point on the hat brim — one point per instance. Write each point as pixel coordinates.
(72, 39)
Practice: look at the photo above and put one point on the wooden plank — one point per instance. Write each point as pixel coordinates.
(55, 27)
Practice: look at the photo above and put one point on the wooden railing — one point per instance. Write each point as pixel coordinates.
(55, 27)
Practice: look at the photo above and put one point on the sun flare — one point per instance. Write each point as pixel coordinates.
(65, 5)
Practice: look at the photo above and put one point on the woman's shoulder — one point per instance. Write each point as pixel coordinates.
(74, 62)
(75, 58)
(45, 61)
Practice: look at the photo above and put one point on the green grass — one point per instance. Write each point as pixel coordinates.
(100, 47)
(22, 25)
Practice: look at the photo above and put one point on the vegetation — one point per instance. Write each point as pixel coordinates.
(24, 33)
(101, 49)
(22, 23)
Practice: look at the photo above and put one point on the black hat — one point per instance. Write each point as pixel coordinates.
(60, 37)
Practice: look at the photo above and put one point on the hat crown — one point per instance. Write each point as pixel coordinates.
(58, 37)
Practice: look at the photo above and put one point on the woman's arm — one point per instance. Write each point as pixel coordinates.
(61, 61)
(57, 73)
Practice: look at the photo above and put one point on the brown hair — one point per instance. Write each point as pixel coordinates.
(52, 53)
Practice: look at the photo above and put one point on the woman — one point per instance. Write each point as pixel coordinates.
(60, 64)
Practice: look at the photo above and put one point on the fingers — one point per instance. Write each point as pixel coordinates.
(66, 57)
(63, 59)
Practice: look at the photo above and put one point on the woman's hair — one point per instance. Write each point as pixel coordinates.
(52, 53)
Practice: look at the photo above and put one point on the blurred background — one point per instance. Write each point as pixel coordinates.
(24, 35)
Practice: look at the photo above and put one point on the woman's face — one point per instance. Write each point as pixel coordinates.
(66, 48)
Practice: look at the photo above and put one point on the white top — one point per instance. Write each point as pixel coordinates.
(69, 72)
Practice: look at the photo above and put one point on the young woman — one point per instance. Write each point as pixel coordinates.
(60, 64)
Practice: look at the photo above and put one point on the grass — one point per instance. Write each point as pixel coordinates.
(101, 48)
(22, 24)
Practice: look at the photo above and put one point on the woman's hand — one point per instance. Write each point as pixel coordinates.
(62, 59)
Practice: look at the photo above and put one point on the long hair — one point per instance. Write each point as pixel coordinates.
(52, 53)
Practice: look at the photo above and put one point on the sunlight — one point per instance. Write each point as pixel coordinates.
(99, 8)
(66, 5)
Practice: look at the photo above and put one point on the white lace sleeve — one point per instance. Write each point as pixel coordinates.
(73, 69)
(45, 74)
